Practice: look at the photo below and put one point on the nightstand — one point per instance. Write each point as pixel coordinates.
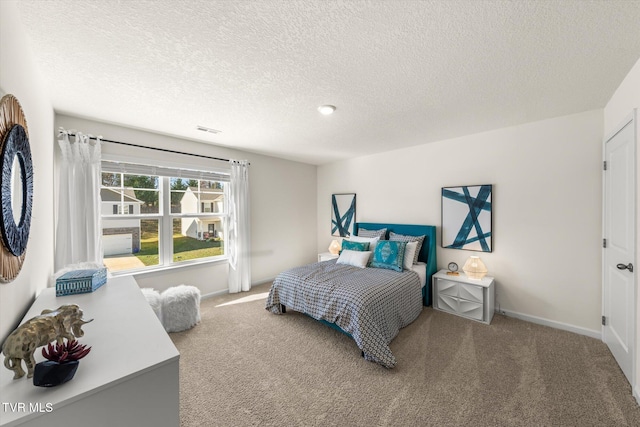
(463, 296)
(326, 256)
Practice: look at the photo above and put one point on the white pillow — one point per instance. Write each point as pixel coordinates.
(373, 241)
(409, 252)
(355, 258)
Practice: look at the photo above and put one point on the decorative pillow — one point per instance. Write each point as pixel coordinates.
(371, 240)
(404, 238)
(355, 258)
(372, 233)
(409, 253)
(354, 246)
(389, 255)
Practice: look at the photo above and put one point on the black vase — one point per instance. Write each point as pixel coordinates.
(49, 373)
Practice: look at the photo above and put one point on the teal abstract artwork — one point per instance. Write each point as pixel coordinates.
(467, 218)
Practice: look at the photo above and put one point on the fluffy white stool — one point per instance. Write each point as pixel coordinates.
(155, 301)
(180, 308)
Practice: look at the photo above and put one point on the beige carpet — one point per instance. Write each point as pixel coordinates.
(243, 366)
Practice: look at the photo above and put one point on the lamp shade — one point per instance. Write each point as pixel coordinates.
(475, 268)
(335, 247)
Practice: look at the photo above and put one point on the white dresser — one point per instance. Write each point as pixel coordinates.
(463, 296)
(130, 378)
(326, 256)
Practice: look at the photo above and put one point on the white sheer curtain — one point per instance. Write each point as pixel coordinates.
(238, 230)
(79, 230)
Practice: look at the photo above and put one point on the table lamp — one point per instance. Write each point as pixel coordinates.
(335, 247)
(475, 268)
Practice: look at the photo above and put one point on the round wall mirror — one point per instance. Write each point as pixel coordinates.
(16, 188)
(15, 148)
(17, 198)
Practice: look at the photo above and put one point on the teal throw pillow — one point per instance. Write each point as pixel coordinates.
(354, 246)
(389, 254)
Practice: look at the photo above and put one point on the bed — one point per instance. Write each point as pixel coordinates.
(370, 305)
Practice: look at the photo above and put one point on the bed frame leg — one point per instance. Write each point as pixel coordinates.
(283, 308)
(362, 353)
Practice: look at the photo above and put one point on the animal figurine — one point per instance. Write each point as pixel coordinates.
(51, 325)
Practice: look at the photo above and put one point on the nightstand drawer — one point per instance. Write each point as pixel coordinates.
(447, 303)
(447, 287)
(471, 292)
(461, 290)
(470, 309)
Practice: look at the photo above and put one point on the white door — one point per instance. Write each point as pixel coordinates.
(619, 272)
(117, 244)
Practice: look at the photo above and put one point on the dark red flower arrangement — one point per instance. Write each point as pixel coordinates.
(65, 352)
(61, 364)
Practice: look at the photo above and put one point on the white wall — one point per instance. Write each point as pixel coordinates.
(18, 77)
(546, 208)
(283, 205)
(623, 101)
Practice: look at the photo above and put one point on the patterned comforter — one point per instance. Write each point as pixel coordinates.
(371, 304)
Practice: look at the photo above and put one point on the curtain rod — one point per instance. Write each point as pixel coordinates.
(150, 148)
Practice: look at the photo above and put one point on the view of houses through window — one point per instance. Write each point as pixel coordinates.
(150, 221)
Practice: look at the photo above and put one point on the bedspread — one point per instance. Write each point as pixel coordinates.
(371, 304)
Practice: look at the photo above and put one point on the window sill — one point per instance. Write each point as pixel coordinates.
(169, 268)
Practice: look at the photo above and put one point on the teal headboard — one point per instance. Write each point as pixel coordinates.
(427, 253)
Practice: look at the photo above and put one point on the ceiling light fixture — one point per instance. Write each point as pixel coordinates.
(206, 129)
(326, 109)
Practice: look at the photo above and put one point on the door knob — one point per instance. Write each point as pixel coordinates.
(625, 267)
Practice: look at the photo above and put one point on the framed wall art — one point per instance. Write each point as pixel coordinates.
(343, 214)
(467, 218)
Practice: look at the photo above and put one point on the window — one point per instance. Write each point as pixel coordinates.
(120, 209)
(155, 217)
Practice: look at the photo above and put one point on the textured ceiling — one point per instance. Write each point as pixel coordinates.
(401, 73)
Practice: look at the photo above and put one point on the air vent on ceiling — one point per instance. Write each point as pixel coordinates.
(206, 129)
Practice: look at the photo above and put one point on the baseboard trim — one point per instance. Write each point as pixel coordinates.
(226, 291)
(214, 294)
(552, 323)
(636, 393)
(262, 282)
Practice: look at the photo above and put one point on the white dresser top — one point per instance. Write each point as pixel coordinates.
(463, 278)
(126, 339)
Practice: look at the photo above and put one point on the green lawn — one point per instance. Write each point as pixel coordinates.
(184, 248)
